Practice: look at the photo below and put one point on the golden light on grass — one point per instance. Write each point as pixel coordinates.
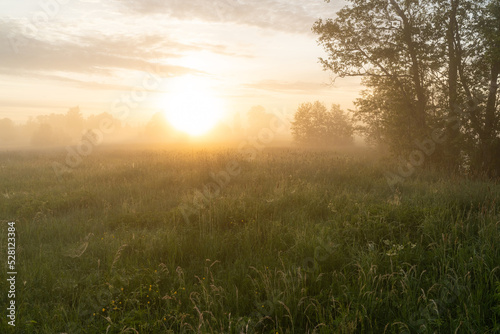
(192, 106)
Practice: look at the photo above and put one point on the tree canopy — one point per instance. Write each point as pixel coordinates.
(427, 65)
(314, 124)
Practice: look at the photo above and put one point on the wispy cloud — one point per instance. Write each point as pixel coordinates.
(284, 15)
(299, 87)
(89, 54)
(90, 84)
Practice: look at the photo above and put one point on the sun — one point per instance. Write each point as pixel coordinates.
(191, 106)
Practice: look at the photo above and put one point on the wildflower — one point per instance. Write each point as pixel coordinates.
(104, 310)
(395, 250)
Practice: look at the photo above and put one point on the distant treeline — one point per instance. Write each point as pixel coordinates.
(55, 129)
(72, 127)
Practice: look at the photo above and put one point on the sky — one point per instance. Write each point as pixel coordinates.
(96, 54)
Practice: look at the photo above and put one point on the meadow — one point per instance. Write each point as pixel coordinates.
(300, 241)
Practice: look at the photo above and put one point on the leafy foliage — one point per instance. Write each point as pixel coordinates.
(314, 124)
(427, 65)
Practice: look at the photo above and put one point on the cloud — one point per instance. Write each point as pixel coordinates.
(92, 54)
(89, 84)
(299, 87)
(283, 15)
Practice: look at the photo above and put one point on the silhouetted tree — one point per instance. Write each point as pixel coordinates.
(95, 121)
(43, 136)
(158, 129)
(7, 131)
(314, 124)
(74, 122)
(428, 65)
(258, 119)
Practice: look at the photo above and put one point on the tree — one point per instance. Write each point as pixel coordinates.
(258, 118)
(7, 131)
(314, 124)
(158, 129)
(485, 103)
(43, 136)
(96, 121)
(427, 65)
(74, 122)
(386, 44)
(341, 128)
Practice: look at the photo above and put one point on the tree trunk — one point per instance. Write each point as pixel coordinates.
(420, 112)
(452, 152)
(490, 123)
(490, 142)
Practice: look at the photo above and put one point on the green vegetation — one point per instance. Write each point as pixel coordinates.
(299, 242)
(429, 65)
(314, 125)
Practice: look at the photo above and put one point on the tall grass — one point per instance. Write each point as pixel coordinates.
(299, 242)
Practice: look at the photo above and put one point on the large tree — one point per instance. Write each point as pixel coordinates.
(426, 65)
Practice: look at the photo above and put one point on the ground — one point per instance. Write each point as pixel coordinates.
(166, 240)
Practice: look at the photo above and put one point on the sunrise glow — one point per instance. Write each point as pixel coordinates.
(191, 105)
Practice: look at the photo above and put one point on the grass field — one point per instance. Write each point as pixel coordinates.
(298, 242)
